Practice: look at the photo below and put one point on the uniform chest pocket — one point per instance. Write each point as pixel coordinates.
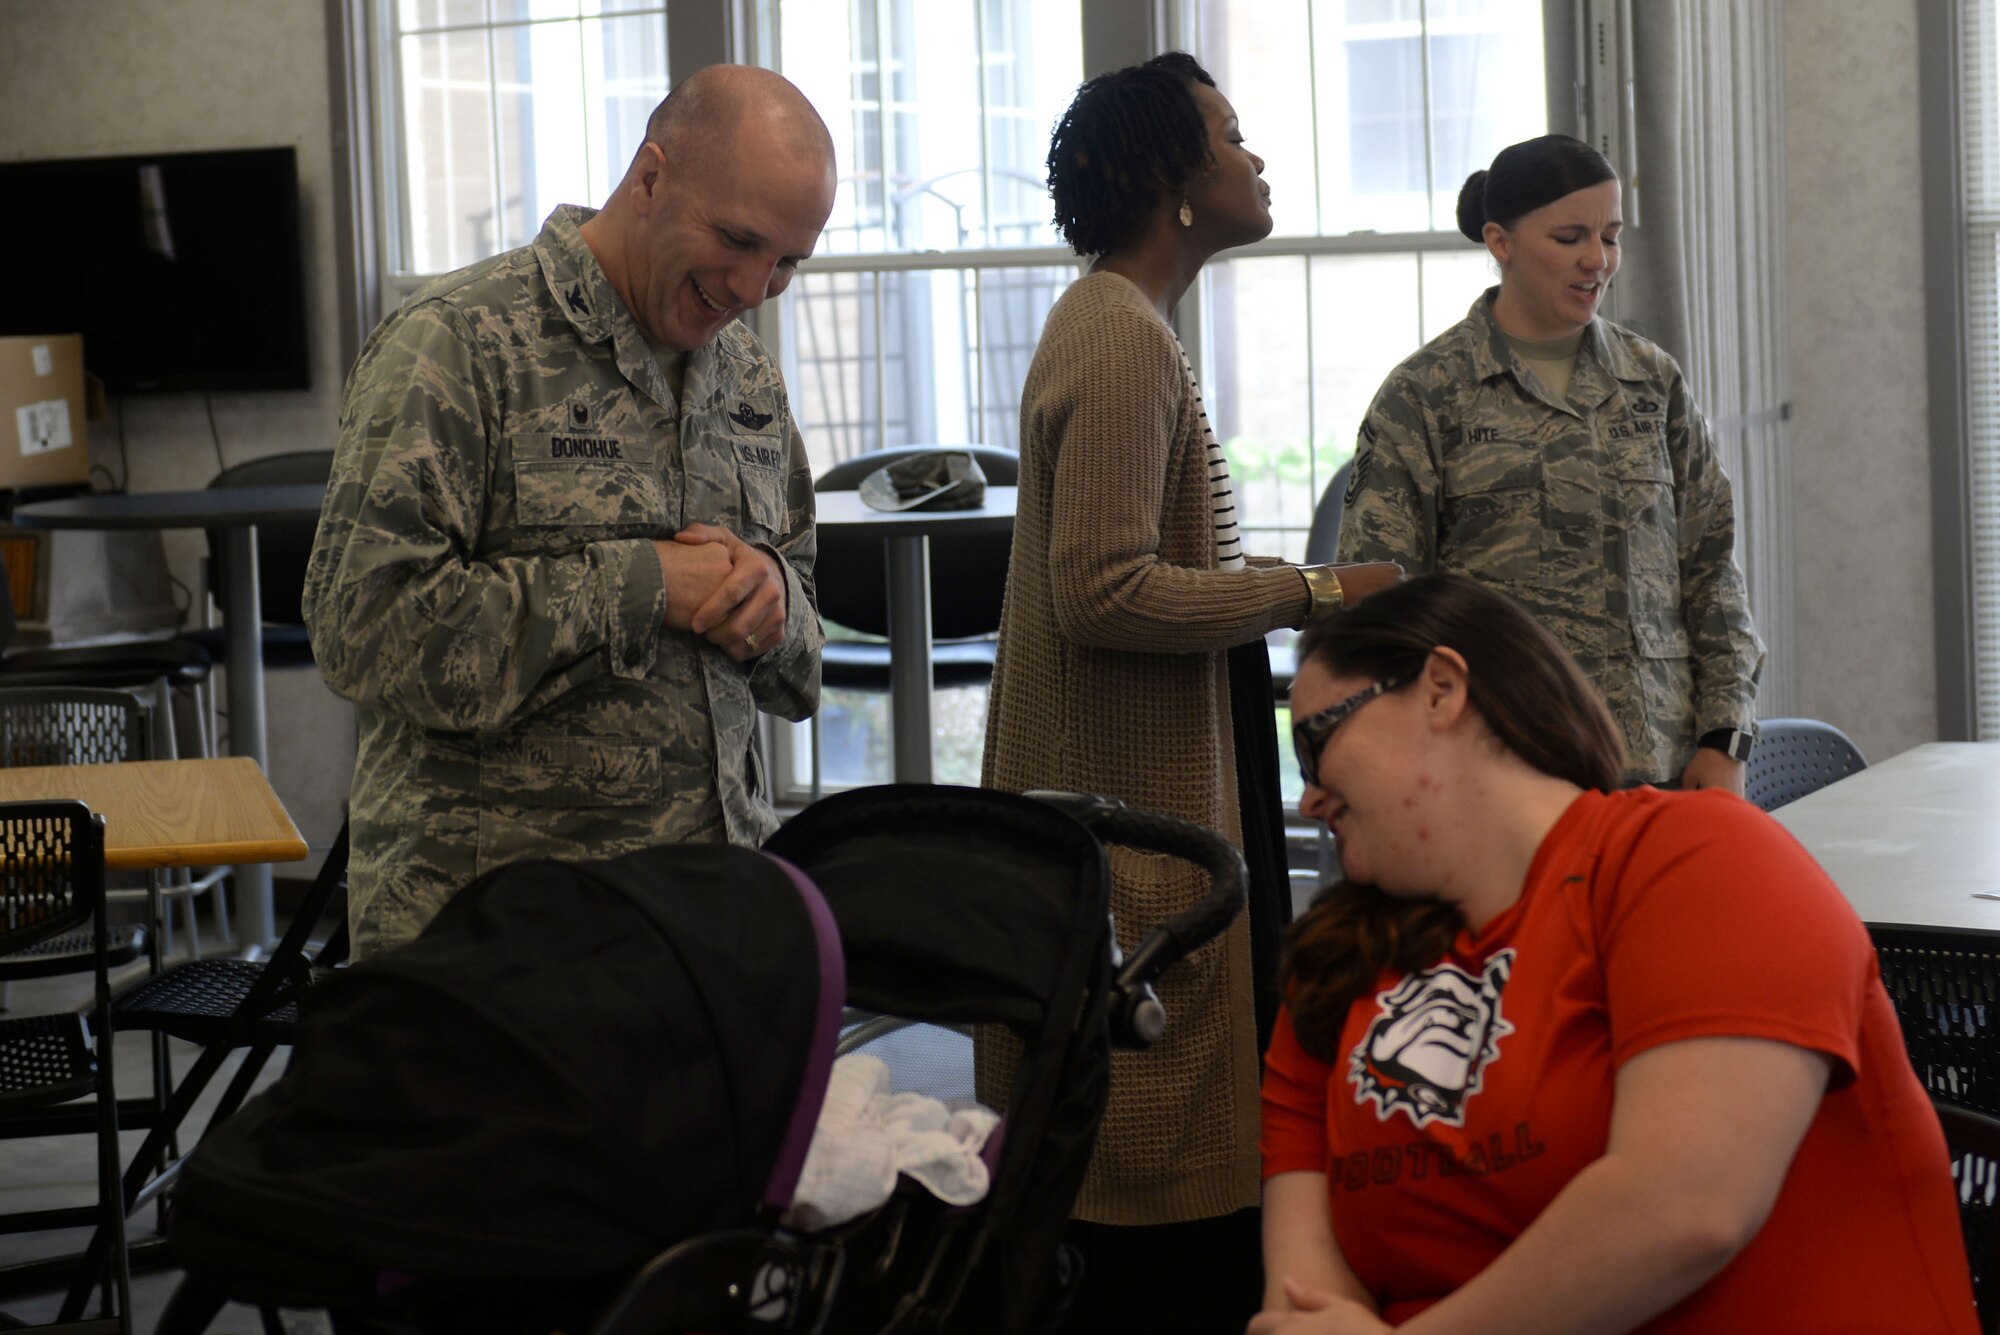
(756, 440)
(1492, 521)
(585, 482)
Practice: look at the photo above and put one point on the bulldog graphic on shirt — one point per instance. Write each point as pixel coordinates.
(1430, 1042)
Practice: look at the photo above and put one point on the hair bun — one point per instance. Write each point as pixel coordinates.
(1472, 206)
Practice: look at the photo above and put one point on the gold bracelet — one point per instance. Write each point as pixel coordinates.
(1323, 588)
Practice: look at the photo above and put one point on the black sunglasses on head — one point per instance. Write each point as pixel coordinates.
(1309, 734)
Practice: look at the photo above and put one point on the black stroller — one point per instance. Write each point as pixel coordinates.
(579, 1101)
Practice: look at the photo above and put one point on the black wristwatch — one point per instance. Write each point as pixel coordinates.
(1732, 742)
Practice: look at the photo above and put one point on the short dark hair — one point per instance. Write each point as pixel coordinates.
(1524, 177)
(1128, 137)
(1530, 693)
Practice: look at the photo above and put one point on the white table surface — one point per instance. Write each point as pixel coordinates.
(1914, 840)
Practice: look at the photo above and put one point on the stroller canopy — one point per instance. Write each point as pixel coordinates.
(574, 1066)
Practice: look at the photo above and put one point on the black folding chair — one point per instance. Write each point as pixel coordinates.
(222, 1005)
(1946, 988)
(77, 725)
(51, 884)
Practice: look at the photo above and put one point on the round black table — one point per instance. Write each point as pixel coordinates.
(236, 511)
(905, 535)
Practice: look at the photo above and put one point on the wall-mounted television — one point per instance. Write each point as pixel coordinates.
(182, 271)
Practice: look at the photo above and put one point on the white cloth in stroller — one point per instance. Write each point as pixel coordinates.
(866, 1135)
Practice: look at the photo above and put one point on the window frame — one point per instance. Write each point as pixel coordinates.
(1115, 33)
(1941, 110)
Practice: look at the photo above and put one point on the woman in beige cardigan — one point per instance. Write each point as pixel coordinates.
(1126, 596)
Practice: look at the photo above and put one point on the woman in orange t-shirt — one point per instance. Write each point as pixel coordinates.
(1559, 1058)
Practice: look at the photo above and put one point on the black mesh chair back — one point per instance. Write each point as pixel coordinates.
(1796, 756)
(77, 725)
(223, 1005)
(43, 892)
(52, 883)
(1946, 988)
(968, 571)
(282, 549)
(1974, 1141)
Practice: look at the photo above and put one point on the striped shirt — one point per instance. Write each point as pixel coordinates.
(1221, 492)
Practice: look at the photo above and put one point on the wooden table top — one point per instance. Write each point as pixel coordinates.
(171, 813)
(1913, 841)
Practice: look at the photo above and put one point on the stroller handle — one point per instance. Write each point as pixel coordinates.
(1139, 1020)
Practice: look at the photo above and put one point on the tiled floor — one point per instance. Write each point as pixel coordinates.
(57, 1171)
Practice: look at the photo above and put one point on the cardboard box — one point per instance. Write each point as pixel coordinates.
(43, 439)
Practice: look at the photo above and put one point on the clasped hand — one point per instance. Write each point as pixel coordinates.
(723, 589)
(1314, 1312)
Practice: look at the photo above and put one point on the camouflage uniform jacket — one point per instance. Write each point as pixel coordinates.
(1606, 513)
(484, 588)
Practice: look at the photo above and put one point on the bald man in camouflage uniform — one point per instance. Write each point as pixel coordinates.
(558, 584)
(1605, 512)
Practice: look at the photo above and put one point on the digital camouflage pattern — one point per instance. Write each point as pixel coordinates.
(1606, 513)
(484, 589)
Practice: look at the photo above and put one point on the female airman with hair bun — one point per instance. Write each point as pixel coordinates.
(1559, 458)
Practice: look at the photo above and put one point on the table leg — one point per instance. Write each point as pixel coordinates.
(244, 632)
(910, 657)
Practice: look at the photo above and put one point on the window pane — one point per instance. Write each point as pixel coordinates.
(940, 115)
(932, 356)
(505, 11)
(502, 122)
(413, 15)
(1452, 281)
(624, 79)
(448, 150)
(542, 135)
(1487, 89)
(854, 739)
(1259, 394)
(1333, 95)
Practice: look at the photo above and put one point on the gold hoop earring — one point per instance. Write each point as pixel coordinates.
(1187, 215)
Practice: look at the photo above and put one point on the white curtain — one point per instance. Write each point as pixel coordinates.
(1704, 272)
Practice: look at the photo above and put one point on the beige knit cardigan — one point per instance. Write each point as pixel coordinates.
(1112, 678)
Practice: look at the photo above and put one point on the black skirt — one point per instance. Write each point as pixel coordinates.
(1261, 803)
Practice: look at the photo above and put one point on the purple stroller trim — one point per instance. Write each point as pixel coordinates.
(791, 1160)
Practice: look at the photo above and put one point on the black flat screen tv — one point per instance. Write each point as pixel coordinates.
(182, 271)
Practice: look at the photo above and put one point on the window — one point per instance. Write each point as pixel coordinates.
(1980, 83)
(495, 111)
(1369, 115)
(915, 320)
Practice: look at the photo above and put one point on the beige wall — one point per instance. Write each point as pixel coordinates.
(101, 77)
(1854, 231)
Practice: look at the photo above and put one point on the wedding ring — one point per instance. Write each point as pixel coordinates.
(750, 643)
